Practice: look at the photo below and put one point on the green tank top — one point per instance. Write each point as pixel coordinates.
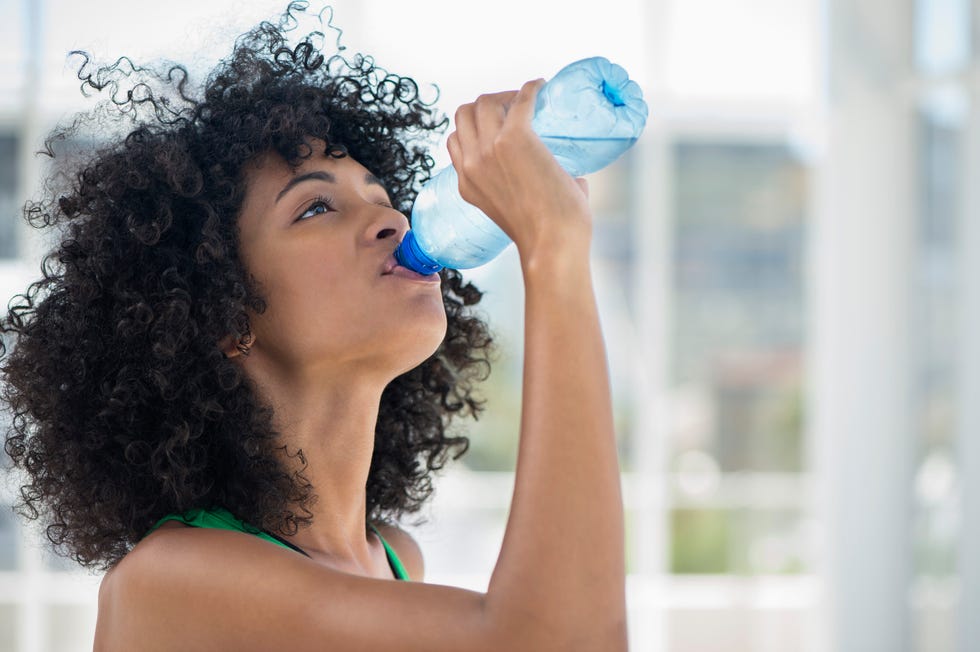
(222, 519)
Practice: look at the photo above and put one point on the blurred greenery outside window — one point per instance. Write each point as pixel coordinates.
(737, 339)
(940, 132)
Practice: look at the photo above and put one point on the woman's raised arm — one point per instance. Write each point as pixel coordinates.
(561, 570)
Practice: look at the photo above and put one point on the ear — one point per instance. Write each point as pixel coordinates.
(231, 346)
(227, 346)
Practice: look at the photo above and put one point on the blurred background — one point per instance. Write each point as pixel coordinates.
(786, 267)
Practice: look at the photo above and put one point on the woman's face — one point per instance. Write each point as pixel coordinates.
(319, 240)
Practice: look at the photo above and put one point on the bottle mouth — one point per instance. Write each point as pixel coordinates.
(613, 93)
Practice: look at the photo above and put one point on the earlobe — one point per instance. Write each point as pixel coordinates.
(227, 347)
(232, 347)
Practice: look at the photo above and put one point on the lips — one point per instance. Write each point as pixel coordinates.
(389, 265)
(392, 268)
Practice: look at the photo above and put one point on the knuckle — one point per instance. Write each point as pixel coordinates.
(470, 167)
(462, 113)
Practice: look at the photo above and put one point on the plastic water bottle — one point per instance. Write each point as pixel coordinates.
(587, 115)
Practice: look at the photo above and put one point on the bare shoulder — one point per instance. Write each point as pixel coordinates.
(205, 589)
(407, 549)
(201, 589)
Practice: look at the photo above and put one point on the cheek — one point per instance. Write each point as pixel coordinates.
(307, 277)
(308, 294)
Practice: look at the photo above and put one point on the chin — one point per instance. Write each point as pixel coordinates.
(423, 341)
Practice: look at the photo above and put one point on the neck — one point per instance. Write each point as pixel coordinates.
(332, 421)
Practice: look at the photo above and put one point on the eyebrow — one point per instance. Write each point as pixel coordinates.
(321, 175)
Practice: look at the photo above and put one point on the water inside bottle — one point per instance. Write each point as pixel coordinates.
(581, 156)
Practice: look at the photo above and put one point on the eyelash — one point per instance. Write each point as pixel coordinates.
(320, 200)
(326, 202)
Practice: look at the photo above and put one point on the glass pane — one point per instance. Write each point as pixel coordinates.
(942, 36)
(935, 324)
(9, 538)
(738, 541)
(13, 35)
(738, 307)
(9, 210)
(493, 438)
(937, 507)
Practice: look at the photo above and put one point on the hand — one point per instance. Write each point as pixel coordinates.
(506, 171)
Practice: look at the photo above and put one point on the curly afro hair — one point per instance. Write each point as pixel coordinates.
(123, 408)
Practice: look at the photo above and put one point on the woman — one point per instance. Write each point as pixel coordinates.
(226, 393)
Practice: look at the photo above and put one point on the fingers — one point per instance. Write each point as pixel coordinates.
(452, 144)
(506, 170)
(521, 109)
(485, 115)
(465, 126)
(478, 123)
(503, 97)
(489, 117)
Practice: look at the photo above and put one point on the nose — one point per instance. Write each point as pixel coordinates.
(386, 223)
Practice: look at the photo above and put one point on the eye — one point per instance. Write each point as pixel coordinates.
(314, 206)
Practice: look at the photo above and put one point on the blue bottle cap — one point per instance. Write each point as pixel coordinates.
(613, 93)
(410, 255)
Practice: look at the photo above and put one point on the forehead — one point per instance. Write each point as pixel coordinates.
(268, 177)
(270, 169)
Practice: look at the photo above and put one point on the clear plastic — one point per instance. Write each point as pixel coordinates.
(587, 115)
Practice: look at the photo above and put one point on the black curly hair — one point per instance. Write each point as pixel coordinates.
(123, 408)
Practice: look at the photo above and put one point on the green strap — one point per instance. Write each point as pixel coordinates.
(221, 519)
(218, 519)
(400, 571)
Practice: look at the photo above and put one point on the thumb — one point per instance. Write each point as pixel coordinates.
(523, 104)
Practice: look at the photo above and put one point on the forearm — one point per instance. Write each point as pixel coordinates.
(562, 568)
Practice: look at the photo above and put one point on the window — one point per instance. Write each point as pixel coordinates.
(737, 368)
(9, 180)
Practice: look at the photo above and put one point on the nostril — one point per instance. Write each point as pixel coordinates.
(386, 233)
